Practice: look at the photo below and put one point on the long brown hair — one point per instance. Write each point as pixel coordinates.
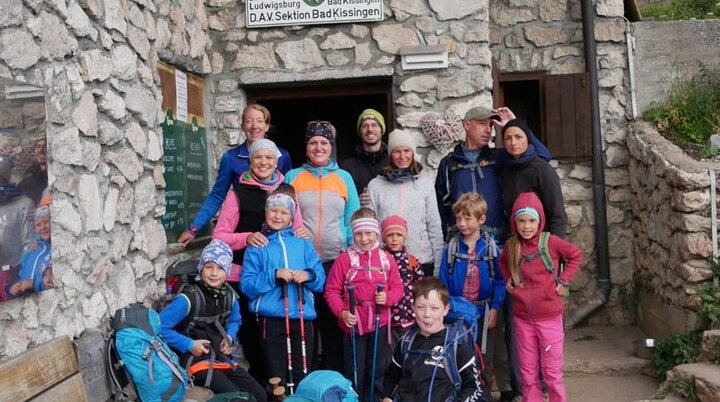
(514, 257)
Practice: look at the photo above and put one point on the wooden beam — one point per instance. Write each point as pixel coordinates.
(32, 372)
(69, 390)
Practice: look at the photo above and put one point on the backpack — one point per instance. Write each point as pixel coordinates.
(544, 254)
(324, 386)
(179, 275)
(454, 165)
(490, 253)
(137, 355)
(458, 333)
(355, 265)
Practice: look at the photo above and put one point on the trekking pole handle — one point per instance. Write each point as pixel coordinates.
(380, 289)
(301, 293)
(351, 296)
(283, 285)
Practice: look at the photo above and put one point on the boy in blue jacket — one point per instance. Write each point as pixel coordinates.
(286, 261)
(201, 324)
(470, 269)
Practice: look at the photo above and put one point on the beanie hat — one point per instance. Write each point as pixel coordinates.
(320, 128)
(400, 138)
(394, 224)
(42, 211)
(522, 125)
(282, 200)
(264, 143)
(218, 252)
(371, 114)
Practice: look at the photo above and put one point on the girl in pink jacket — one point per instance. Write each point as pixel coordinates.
(538, 288)
(364, 266)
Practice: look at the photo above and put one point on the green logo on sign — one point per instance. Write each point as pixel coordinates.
(313, 3)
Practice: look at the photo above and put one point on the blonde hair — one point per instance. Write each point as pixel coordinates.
(514, 253)
(363, 212)
(262, 109)
(472, 204)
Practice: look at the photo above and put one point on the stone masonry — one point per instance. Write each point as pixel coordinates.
(546, 35)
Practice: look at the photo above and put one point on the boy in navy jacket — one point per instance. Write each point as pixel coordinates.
(285, 261)
(470, 269)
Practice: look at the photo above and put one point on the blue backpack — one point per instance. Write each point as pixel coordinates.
(152, 367)
(461, 324)
(324, 386)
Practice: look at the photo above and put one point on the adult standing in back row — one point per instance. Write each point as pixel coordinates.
(371, 155)
(235, 162)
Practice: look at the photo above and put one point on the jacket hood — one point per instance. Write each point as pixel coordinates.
(249, 179)
(330, 167)
(528, 200)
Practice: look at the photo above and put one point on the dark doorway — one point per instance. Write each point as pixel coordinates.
(340, 103)
(522, 93)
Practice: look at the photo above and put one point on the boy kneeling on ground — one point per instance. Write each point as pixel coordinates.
(409, 378)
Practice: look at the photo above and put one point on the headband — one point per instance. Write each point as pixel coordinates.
(528, 210)
(361, 224)
(319, 129)
(282, 200)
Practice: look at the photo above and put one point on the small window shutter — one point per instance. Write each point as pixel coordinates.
(567, 115)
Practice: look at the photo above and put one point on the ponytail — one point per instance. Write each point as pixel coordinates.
(514, 258)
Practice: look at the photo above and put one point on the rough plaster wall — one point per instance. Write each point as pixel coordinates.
(96, 60)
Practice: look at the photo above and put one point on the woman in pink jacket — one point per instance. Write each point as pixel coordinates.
(364, 266)
(532, 277)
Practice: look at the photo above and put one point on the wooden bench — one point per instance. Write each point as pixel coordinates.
(48, 372)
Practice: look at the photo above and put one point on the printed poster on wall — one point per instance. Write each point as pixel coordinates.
(267, 13)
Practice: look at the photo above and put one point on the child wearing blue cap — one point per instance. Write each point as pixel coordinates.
(201, 324)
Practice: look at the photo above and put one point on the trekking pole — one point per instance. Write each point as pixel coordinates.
(377, 330)
(302, 327)
(351, 292)
(289, 383)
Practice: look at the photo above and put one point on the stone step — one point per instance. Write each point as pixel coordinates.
(706, 380)
(603, 351)
(710, 346)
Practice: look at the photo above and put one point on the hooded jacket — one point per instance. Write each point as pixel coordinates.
(365, 165)
(327, 197)
(365, 282)
(414, 201)
(537, 299)
(494, 288)
(227, 224)
(259, 284)
(232, 165)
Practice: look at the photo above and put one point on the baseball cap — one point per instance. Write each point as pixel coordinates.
(480, 113)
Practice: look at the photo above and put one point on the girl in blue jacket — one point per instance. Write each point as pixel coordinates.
(285, 261)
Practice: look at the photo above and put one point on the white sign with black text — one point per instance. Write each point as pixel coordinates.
(265, 13)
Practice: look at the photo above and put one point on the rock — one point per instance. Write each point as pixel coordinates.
(260, 56)
(59, 96)
(616, 156)
(705, 378)
(360, 31)
(80, 23)
(610, 31)
(141, 265)
(410, 100)
(575, 192)
(92, 8)
(121, 285)
(228, 103)
(163, 35)
(695, 271)
(154, 241)
(66, 146)
(390, 37)
(419, 83)
(127, 162)
(120, 244)
(479, 55)
(64, 214)
(18, 49)
(410, 7)
(110, 209)
(95, 65)
(198, 40)
(154, 150)
(466, 83)
(113, 105)
(141, 102)
(543, 36)
(338, 41)
(136, 17)
(109, 132)
(145, 197)
(12, 14)
(91, 154)
(336, 59)
(55, 40)
(362, 54)
(574, 215)
(94, 310)
(553, 10)
(610, 8)
(300, 55)
(136, 137)
(580, 172)
(456, 9)
(114, 16)
(138, 40)
(90, 202)
(714, 141)
(709, 344)
(124, 63)
(690, 201)
(502, 18)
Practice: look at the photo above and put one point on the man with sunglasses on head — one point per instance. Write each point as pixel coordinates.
(371, 154)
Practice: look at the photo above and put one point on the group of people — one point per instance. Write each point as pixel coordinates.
(25, 259)
(355, 256)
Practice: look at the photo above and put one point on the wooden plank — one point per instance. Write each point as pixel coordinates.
(28, 374)
(567, 110)
(583, 124)
(553, 114)
(69, 390)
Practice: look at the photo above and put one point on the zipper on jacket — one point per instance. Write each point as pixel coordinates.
(319, 209)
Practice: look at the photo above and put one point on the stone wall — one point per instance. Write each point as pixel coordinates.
(667, 50)
(546, 36)
(96, 60)
(671, 222)
(310, 54)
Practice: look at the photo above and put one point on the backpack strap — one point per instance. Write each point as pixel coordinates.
(406, 341)
(547, 258)
(453, 247)
(450, 355)
(354, 266)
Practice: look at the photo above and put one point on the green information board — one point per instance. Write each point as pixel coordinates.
(186, 174)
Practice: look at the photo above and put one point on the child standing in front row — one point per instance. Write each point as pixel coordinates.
(538, 295)
(364, 265)
(474, 274)
(285, 261)
(394, 231)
